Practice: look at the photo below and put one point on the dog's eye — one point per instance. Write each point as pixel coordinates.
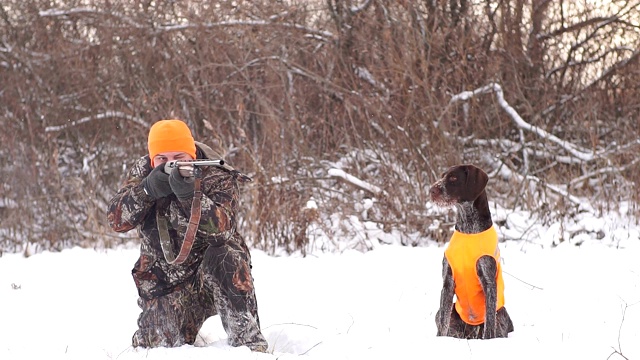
(452, 179)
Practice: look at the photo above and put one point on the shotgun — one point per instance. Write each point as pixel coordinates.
(189, 168)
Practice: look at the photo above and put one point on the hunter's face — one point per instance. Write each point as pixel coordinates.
(170, 156)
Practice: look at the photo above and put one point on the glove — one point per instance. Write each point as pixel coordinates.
(182, 187)
(156, 184)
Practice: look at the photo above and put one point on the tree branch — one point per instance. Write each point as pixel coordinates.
(104, 115)
(355, 181)
(506, 173)
(572, 149)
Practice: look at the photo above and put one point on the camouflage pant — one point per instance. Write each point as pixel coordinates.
(224, 286)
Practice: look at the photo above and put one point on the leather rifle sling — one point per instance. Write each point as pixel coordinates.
(192, 228)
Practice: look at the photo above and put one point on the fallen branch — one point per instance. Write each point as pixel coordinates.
(574, 150)
(337, 173)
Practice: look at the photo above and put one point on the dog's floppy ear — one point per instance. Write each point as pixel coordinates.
(477, 180)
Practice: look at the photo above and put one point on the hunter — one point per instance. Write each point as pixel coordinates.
(193, 211)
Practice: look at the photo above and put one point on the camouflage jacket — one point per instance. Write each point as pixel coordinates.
(132, 208)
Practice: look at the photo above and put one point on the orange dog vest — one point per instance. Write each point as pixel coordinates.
(463, 252)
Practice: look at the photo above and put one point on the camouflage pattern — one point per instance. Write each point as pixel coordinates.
(174, 319)
(216, 277)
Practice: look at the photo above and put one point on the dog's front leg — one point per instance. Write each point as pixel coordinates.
(443, 316)
(486, 268)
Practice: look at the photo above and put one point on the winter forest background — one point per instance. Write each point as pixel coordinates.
(342, 112)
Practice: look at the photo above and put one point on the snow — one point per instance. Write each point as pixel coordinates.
(576, 299)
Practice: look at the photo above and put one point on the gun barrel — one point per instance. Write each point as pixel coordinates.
(199, 162)
(186, 167)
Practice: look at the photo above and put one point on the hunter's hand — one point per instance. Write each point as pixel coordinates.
(186, 170)
(181, 186)
(156, 184)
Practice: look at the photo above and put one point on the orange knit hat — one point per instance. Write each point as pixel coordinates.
(170, 135)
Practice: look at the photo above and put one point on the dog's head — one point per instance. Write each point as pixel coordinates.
(458, 184)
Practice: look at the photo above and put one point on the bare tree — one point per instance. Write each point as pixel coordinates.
(542, 93)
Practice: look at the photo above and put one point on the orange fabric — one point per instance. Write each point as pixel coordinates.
(170, 135)
(463, 252)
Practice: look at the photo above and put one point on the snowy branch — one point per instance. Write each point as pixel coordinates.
(105, 115)
(89, 11)
(574, 150)
(602, 171)
(506, 173)
(366, 75)
(362, 7)
(512, 147)
(355, 181)
(324, 35)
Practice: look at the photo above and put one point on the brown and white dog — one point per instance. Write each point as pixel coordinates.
(471, 267)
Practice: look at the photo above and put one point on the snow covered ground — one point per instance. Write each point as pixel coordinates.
(567, 302)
